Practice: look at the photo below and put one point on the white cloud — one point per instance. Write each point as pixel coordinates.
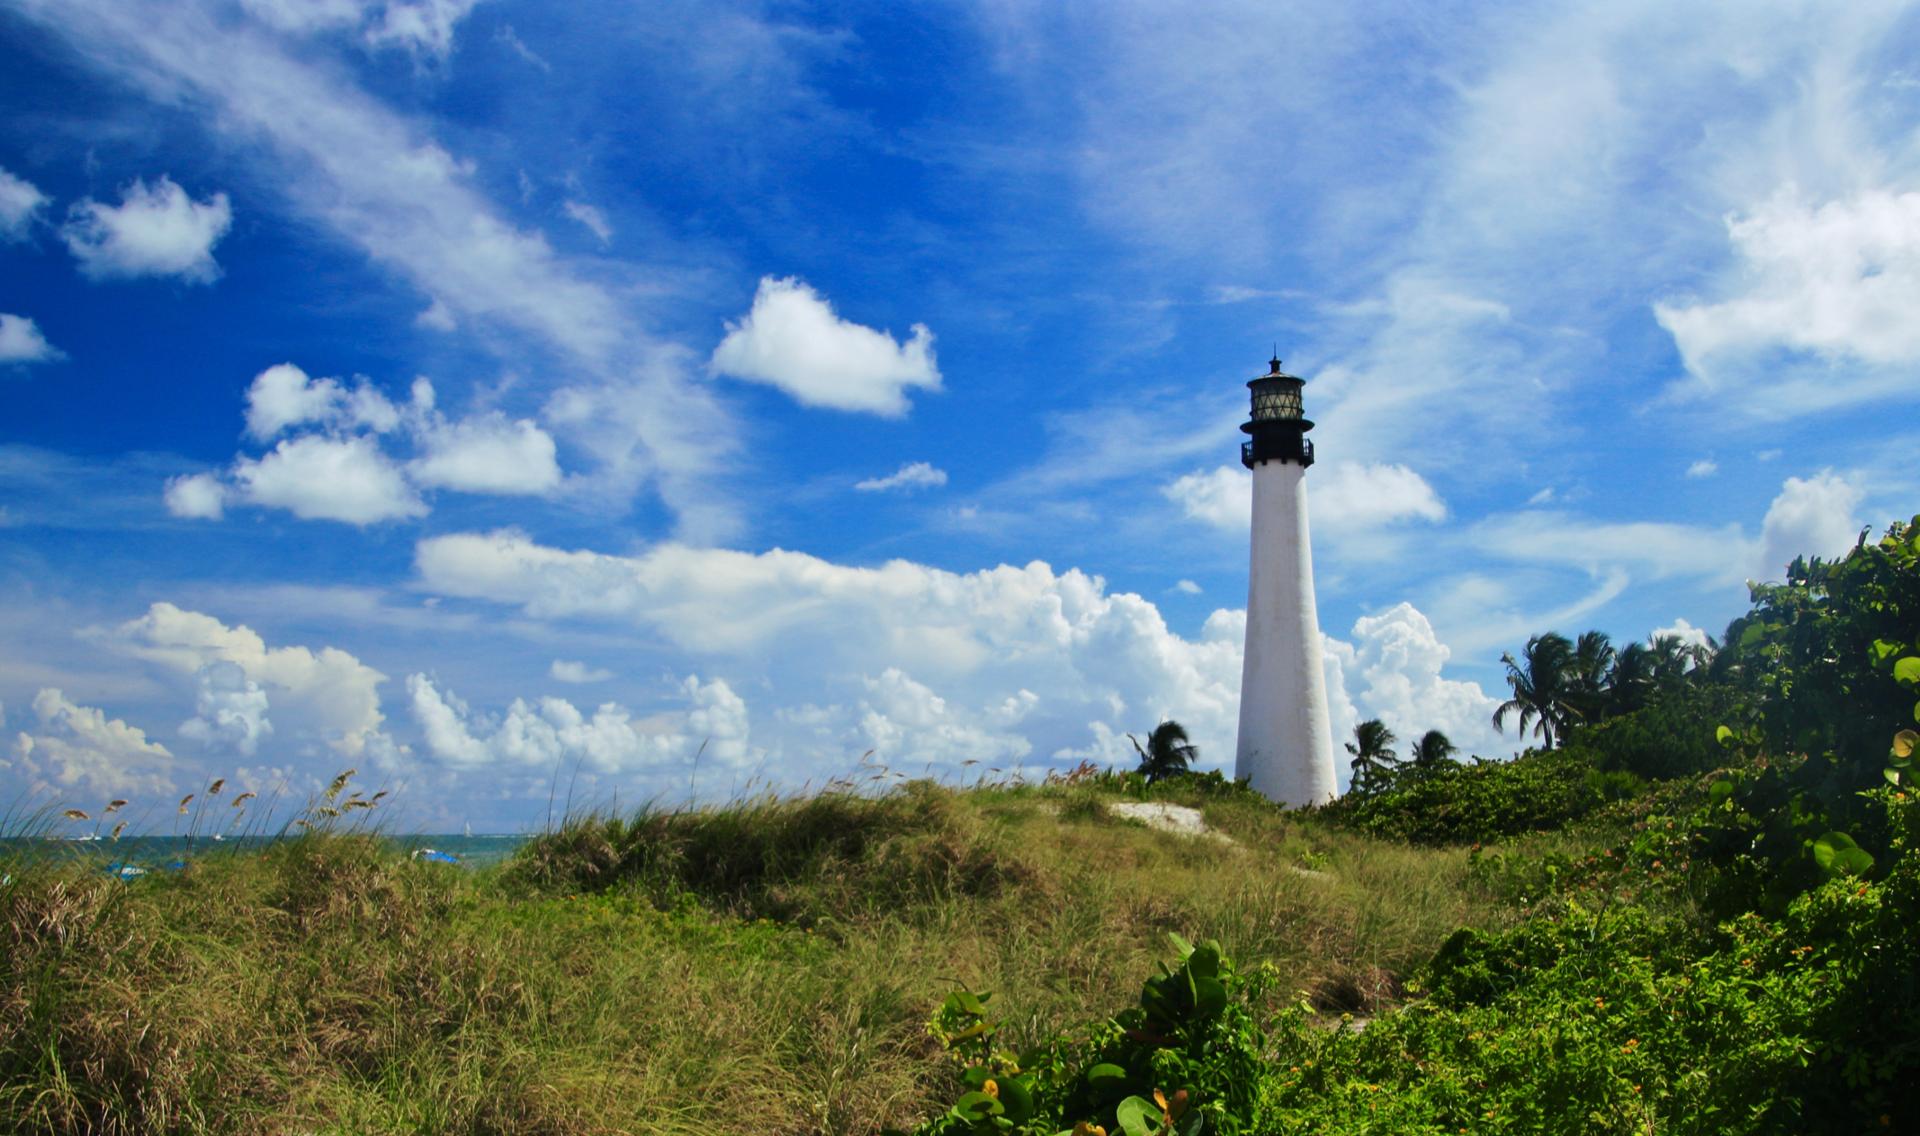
(424, 27)
(792, 339)
(913, 475)
(230, 710)
(71, 749)
(346, 479)
(569, 670)
(821, 633)
(283, 395)
(1187, 588)
(326, 695)
(196, 496)
(487, 454)
(20, 204)
(906, 724)
(1705, 467)
(1810, 517)
(21, 342)
(152, 232)
(1355, 496)
(544, 733)
(1392, 671)
(1833, 281)
(1685, 632)
(343, 472)
(591, 218)
(1347, 496)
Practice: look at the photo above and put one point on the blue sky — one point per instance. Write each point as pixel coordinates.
(688, 396)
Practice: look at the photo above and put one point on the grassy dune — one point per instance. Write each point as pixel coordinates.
(769, 966)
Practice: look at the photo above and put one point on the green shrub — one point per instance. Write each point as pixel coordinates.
(833, 855)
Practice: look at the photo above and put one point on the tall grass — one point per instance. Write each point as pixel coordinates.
(761, 967)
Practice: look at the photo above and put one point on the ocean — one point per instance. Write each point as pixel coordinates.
(158, 853)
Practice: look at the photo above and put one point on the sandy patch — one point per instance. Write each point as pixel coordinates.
(1167, 818)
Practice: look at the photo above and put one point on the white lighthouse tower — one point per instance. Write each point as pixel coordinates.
(1286, 744)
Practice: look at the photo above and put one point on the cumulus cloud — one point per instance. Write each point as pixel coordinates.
(156, 231)
(1187, 588)
(69, 749)
(546, 732)
(487, 454)
(1391, 670)
(1347, 496)
(570, 670)
(337, 467)
(283, 395)
(327, 696)
(1685, 632)
(1832, 281)
(21, 342)
(905, 723)
(1705, 467)
(196, 496)
(334, 479)
(793, 339)
(230, 710)
(925, 665)
(1815, 516)
(913, 475)
(20, 205)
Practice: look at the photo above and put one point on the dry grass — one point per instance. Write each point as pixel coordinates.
(767, 967)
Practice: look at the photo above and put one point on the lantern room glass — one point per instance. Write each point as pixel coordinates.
(1276, 400)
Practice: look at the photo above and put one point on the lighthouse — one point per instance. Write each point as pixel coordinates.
(1286, 745)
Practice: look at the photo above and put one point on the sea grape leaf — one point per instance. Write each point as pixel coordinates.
(1138, 1116)
(1838, 855)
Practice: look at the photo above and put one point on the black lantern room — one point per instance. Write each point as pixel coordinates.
(1278, 427)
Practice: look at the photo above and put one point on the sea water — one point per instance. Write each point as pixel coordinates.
(160, 853)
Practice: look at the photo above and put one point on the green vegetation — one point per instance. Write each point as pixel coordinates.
(1696, 909)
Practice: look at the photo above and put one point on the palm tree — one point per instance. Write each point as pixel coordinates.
(1593, 657)
(1433, 750)
(1676, 660)
(1544, 691)
(1373, 760)
(1167, 751)
(1636, 673)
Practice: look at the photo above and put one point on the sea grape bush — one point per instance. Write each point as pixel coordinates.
(1186, 1061)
